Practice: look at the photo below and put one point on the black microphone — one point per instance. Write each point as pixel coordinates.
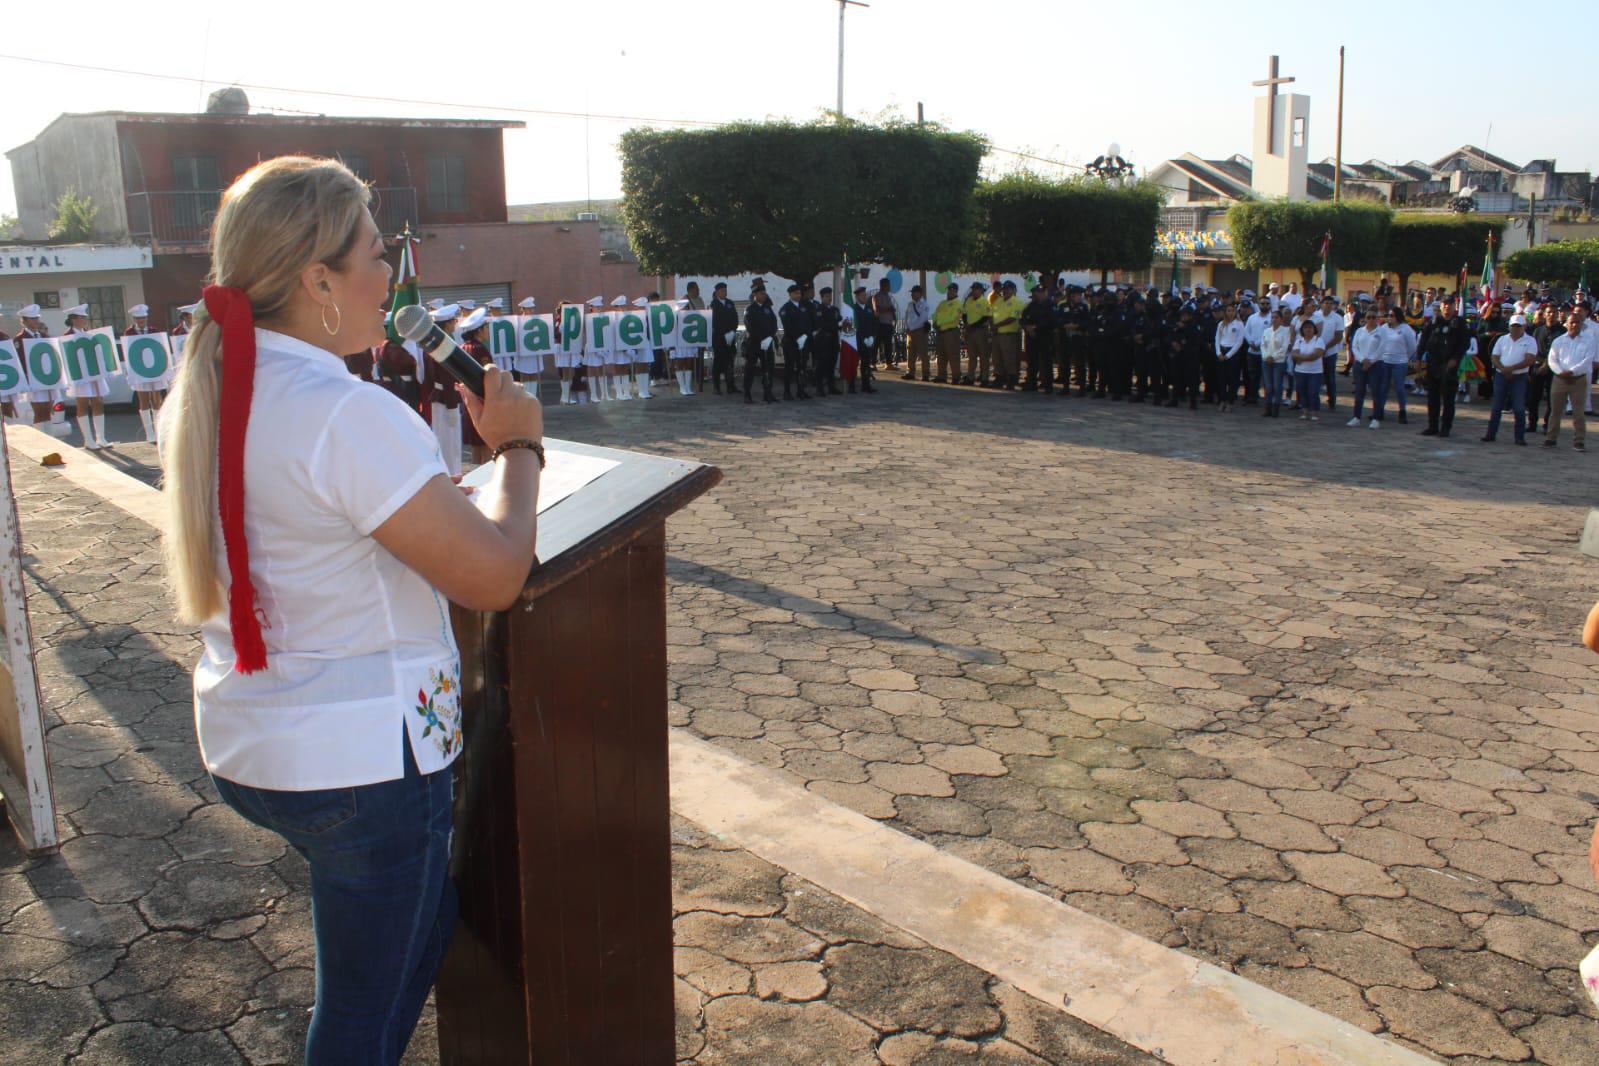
(415, 324)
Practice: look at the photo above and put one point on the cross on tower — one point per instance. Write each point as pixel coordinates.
(1271, 82)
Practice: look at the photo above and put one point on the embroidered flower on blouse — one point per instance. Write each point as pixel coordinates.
(441, 709)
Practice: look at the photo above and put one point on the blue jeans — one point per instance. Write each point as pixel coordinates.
(1274, 373)
(1329, 371)
(1515, 389)
(1371, 381)
(1309, 386)
(1398, 374)
(382, 905)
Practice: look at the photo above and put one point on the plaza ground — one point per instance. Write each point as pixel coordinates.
(1301, 701)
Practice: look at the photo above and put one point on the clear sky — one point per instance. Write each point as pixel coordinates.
(1060, 79)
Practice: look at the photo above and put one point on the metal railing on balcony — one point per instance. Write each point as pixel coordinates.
(393, 207)
(174, 216)
(184, 216)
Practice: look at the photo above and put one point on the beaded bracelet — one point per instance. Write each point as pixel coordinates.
(512, 445)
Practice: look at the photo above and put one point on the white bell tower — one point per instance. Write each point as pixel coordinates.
(1282, 140)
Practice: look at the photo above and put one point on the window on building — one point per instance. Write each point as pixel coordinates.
(195, 172)
(50, 299)
(447, 182)
(1299, 133)
(105, 305)
(359, 163)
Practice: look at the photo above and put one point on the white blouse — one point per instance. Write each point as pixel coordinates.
(1274, 343)
(360, 655)
(1304, 346)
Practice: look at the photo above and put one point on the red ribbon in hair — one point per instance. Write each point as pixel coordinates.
(229, 307)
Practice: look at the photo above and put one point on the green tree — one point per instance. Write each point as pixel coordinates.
(1287, 235)
(9, 228)
(1028, 221)
(1561, 263)
(792, 198)
(75, 215)
(1437, 244)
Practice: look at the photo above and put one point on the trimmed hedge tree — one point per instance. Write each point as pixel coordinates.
(1437, 244)
(1561, 263)
(1286, 235)
(790, 198)
(1028, 222)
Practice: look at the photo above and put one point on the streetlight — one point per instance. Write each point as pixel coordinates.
(843, 5)
(1110, 166)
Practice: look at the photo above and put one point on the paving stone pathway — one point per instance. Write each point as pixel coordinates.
(168, 930)
(1306, 701)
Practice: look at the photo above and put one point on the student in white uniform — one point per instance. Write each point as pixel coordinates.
(444, 404)
(327, 696)
(593, 361)
(147, 395)
(88, 397)
(528, 367)
(619, 363)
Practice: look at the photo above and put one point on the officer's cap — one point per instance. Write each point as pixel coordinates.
(472, 321)
(795, 287)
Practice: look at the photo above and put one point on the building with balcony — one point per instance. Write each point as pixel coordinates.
(156, 178)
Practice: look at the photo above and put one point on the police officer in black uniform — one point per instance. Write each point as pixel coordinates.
(1184, 344)
(1443, 343)
(796, 322)
(1038, 328)
(1135, 324)
(1075, 327)
(724, 323)
(760, 327)
(1102, 324)
(824, 343)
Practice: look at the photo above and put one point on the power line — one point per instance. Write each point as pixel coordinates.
(543, 112)
(416, 102)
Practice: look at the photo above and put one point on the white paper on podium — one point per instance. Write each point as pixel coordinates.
(564, 473)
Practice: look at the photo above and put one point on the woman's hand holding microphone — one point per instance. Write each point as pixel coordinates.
(507, 412)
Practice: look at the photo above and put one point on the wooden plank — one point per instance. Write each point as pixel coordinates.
(652, 819)
(24, 765)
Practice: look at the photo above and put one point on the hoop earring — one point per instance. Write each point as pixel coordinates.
(338, 319)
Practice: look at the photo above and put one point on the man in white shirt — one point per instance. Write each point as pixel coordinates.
(1255, 328)
(917, 316)
(1571, 361)
(1291, 299)
(1513, 356)
(1332, 343)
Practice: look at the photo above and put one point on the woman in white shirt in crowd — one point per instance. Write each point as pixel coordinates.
(1275, 342)
(327, 698)
(1370, 372)
(1229, 355)
(1307, 355)
(1398, 349)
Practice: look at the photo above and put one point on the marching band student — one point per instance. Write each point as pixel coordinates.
(8, 410)
(619, 364)
(88, 397)
(638, 368)
(42, 400)
(528, 366)
(685, 359)
(471, 332)
(147, 395)
(567, 363)
(594, 362)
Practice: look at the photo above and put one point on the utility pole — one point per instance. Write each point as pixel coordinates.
(1338, 148)
(839, 292)
(1532, 219)
(922, 278)
(843, 6)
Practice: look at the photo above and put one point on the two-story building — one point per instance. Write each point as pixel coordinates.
(156, 178)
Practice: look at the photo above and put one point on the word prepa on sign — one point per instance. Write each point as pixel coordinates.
(659, 325)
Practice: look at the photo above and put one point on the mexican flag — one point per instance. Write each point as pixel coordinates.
(1489, 275)
(1326, 257)
(406, 290)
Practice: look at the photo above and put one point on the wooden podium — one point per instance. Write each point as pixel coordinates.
(562, 854)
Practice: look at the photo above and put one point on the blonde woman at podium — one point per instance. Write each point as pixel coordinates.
(327, 697)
